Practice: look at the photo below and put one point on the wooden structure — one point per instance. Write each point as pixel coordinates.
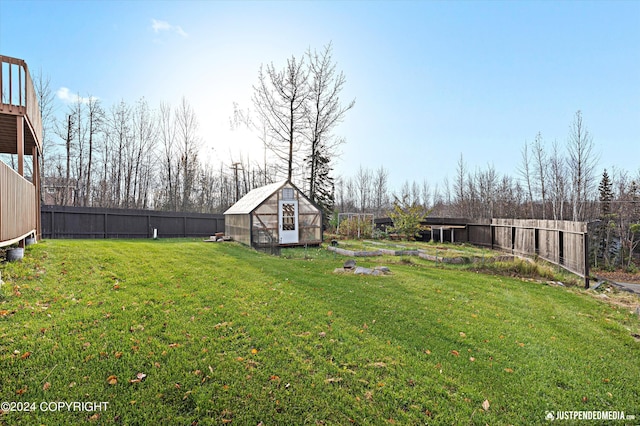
(98, 222)
(561, 242)
(274, 215)
(21, 135)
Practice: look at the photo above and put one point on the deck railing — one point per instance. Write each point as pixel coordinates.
(17, 206)
(17, 92)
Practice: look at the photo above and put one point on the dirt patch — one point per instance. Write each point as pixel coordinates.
(621, 277)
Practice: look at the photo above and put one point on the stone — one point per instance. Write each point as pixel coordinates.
(383, 269)
(360, 270)
(349, 264)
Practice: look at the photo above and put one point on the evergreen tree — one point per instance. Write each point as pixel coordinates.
(606, 194)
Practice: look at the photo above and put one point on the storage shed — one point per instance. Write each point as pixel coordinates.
(278, 214)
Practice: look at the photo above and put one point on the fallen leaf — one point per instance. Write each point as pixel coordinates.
(472, 359)
(333, 380)
(46, 386)
(95, 417)
(174, 345)
(25, 355)
(329, 313)
(485, 405)
(454, 352)
(141, 376)
(21, 391)
(508, 370)
(254, 351)
(428, 352)
(112, 380)
(118, 355)
(274, 377)
(462, 334)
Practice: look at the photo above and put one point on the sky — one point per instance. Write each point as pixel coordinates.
(432, 80)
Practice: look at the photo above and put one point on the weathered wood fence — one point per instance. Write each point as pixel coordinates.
(88, 222)
(561, 242)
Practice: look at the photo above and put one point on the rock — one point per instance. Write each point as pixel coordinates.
(383, 269)
(340, 271)
(377, 272)
(349, 264)
(363, 271)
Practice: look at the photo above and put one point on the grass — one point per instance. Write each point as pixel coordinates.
(223, 334)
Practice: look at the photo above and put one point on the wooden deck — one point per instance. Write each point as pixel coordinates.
(20, 134)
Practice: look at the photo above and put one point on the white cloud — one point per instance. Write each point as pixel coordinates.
(159, 26)
(65, 95)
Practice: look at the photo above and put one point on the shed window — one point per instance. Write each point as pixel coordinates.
(287, 194)
(288, 217)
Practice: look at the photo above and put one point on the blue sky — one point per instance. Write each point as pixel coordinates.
(431, 79)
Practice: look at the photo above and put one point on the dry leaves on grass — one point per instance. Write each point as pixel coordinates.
(139, 378)
(112, 380)
(485, 405)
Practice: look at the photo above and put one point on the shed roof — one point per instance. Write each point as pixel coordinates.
(254, 198)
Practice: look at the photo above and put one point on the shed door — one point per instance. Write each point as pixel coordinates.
(288, 221)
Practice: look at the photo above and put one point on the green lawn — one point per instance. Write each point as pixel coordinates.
(184, 332)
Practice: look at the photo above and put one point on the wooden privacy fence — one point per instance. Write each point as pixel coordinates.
(89, 222)
(561, 242)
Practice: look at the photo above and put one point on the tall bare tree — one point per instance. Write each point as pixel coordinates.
(582, 161)
(280, 102)
(324, 111)
(46, 100)
(189, 146)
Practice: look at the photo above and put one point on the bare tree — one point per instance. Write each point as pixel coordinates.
(95, 117)
(525, 173)
(46, 98)
(189, 144)
(363, 186)
(540, 170)
(324, 110)
(145, 130)
(279, 99)
(120, 135)
(581, 162)
(557, 182)
(459, 187)
(381, 191)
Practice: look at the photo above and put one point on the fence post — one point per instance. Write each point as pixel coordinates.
(585, 239)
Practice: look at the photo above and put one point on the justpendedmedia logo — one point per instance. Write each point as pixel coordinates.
(588, 415)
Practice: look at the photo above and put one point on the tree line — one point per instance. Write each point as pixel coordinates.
(135, 155)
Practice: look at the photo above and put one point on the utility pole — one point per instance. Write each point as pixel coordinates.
(234, 166)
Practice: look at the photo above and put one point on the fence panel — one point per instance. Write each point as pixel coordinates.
(89, 222)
